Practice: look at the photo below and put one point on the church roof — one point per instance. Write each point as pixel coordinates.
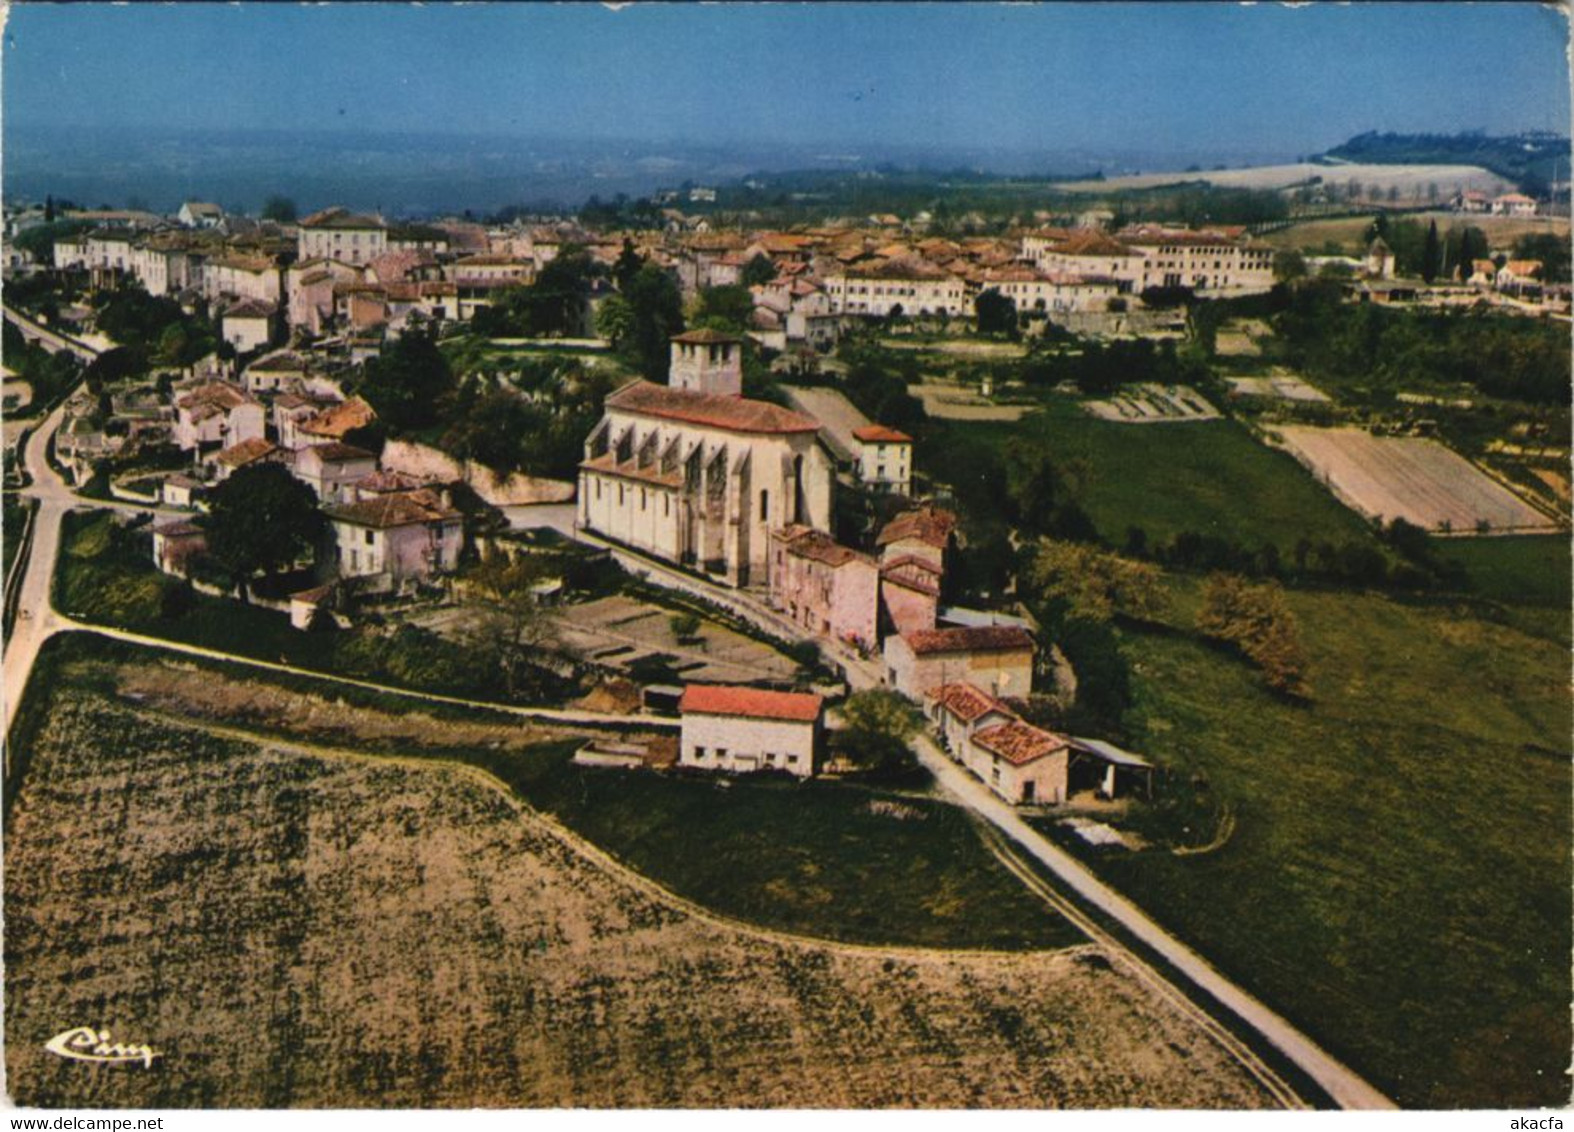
(716, 410)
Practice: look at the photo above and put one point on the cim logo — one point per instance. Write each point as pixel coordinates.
(83, 1043)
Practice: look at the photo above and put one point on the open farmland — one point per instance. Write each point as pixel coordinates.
(1398, 882)
(1350, 232)
(299, 926)
(1418, 480)
(1376, 178)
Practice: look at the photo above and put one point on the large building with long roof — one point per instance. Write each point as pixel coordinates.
(700, 475)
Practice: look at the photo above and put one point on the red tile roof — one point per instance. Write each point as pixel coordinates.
(1091, 244)
(397, 509)
(337, 452)
(967, 701)
(980, 638)
(927, 524)
(879, 434)
(352, 414)
(246, 452)
(806, 542)
(737, 414)
(1019, 743)
(753, 703)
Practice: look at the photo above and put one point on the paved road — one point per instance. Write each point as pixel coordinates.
(36, 332)
(1343, 1085)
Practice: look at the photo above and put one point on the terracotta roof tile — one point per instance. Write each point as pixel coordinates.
(752, 703)
(737, 414)
(705, 337)
(246, 452)
(335, 422)
(805, 542)
(982, 638)
(1019, 743)
(397, 509)
(927, 524)
(967, 701)
(879, 434)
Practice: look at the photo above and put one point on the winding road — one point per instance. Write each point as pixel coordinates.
(38, 620)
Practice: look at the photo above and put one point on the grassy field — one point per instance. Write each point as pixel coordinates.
(294, 926)
(1533, 571)
(1348, 232)
(1398, 883)
(1210, 477)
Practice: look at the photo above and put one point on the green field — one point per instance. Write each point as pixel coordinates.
(1532, 570)
(1398, 883)
(1210, 477)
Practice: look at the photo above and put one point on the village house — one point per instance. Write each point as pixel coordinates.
(1021, 763)
(175, 544)
(1513, 204)
(338, 234)
(694, 473)
(280, 371)
(739, 729)
(328, 469)
(1032, 290)
(1379, 259)
(216, 413)
(395, 538)
(1519, 277)
(828, 589)
(1201, 260)
(255, 450)
(1088, 254)
(885, 459)
(200, 214)
(925, 532)
(239, 276)
(904, 286)
(959, 709)
(997, 658)
(333, 423)
(249, 325)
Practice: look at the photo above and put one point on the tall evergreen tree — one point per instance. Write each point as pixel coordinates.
(1431, 255)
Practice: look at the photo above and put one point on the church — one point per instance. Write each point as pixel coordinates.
(695, 473)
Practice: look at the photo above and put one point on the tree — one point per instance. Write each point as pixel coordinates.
(1289, 266)
(1095, 584)
(657, 307)
(1431, 255)
(1256, 620)
(279, 208)
(877, 725)
(684, 626)
(997, 314)
(758, 270)
(406, 381)
(508, 627)
(615, 320)
(729, 308)
(628, 263)
(261, 519)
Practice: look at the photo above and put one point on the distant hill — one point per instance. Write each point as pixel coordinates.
(1531, 160)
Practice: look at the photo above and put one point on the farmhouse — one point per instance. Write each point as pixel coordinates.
(739, 729)
(997, 658)
(959, 709)
(176, 543)
(699, 475)
(328, 469)
(1020, 762)
(216, 412)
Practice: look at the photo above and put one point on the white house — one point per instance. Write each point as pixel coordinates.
(1020, 762)
(217, 412)
(200, 214)
(739, 729)
(396, 537)
(897, 286)
(248, 325)
(959, 709)
(336, 233)
(885, 459)
(328, 469)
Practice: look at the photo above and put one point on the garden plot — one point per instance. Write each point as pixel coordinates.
(619, 631)
(1279, 385)
(958, 403)
(1410, 478)
(290, 927)
(1154, 404)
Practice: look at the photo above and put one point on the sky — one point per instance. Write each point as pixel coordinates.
(1165, 77)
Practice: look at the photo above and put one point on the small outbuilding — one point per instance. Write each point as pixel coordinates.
(738, 729)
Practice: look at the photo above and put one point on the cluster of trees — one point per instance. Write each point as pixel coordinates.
(155, 328)
(1255, 619)
(261, 520)
(1514, 358)
(496, 425)
(1100, 368)
(555, 305)
(876, 381)
(49, 375)
(877, 726)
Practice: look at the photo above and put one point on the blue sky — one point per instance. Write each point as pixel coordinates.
(1166, 77)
